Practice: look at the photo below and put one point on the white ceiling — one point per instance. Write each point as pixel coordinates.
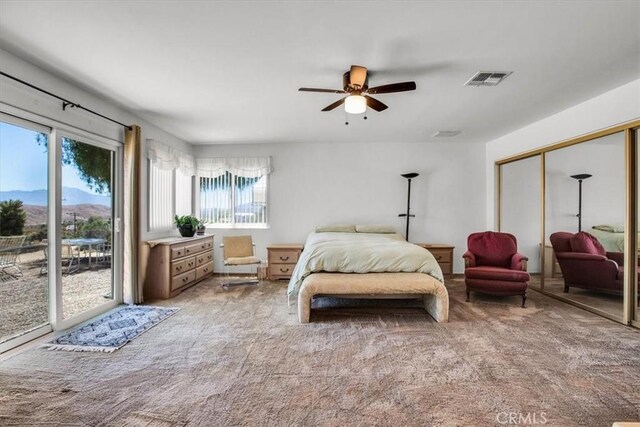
(225, 72)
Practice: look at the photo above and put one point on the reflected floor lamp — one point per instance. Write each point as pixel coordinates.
(581, 177)
(408, 215)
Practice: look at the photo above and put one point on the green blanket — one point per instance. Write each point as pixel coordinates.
(361, 253)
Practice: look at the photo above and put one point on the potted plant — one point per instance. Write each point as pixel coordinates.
(201, 228)
(187, 225)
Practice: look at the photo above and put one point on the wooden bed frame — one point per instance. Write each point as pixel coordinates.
(375, 285)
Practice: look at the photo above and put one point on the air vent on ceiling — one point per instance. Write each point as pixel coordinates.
(488, 78)
(446, 133)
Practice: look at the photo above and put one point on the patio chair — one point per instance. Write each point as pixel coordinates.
(10, 247)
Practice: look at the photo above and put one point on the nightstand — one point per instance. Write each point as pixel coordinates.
(282, 260)
(443, 254)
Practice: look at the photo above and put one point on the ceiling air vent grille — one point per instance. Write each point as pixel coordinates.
(446, 133)
(488, 78)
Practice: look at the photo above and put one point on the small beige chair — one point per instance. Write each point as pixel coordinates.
(238, 251)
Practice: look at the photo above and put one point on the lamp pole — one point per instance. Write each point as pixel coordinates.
(580, 177)
(408, 215)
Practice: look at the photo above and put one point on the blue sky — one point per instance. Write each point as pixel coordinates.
(23, 162)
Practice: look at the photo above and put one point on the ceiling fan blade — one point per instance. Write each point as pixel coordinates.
(311, 89)
(358, 75)
(334, 105)
(375, 104)
(393, 87)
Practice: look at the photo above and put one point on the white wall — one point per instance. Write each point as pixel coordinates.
(324, 183)
(24, 98)
(616, 106)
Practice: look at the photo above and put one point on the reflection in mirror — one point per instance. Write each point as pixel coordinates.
(585, 213)
(520, 209)
(637, 290)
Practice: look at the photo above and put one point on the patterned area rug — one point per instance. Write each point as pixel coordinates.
(111, 331)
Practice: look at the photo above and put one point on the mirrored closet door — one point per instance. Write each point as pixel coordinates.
(520, 210)
(585, 208)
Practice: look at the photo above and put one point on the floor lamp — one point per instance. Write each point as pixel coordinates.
(408, 215)
(581, 177)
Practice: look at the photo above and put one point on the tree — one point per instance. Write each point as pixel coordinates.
(93, 163)
(12, 218)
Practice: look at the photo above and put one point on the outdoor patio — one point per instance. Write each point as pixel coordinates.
(24, 300)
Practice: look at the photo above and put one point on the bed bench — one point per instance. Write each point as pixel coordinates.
(375, 285)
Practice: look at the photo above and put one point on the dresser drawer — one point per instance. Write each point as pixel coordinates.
(204, 270)
(183, 280)
(182, 266)
(178, 251)
(204, 258)
(446, 268)
(441, 255)
(283, 257)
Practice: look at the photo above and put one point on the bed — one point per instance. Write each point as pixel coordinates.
(610, 236)
(366, 265)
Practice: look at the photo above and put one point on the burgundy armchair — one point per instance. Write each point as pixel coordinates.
(494, 266)
(586, 264)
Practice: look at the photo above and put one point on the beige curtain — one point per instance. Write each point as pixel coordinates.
(132, 286)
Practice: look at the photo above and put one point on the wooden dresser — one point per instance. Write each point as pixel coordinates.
(171, 265)
(282, 260)
(443, 254)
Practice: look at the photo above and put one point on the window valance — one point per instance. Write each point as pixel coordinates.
(248, 167)
(168, 158)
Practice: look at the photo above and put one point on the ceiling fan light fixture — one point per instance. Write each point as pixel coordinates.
(355, 104)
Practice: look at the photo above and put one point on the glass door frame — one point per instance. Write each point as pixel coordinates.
(44, 329)
(630, 288)
(55, 131)
(58, 321)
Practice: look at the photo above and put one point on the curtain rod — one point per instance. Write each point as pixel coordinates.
(65, 102)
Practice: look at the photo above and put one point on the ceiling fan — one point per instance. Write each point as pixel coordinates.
(356, 86)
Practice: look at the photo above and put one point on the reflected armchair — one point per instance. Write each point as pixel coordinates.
(586, 264)
(494, 266)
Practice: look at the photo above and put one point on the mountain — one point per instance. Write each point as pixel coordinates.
(37, 215)
(70, 196)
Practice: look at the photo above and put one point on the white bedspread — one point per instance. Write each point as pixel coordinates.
(361, 253)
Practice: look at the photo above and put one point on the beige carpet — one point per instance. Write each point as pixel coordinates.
(239, 358)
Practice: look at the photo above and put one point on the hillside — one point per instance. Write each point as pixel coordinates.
(37, 215)
(71, 196)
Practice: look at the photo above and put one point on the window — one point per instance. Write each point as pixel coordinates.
(160, 198)
(184, 192)
(233, 191)
(170, 184)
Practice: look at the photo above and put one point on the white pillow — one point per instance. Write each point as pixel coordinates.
(341, 228)
(381, 229)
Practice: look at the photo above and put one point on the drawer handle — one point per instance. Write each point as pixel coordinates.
(284, 258)
(439, 257)
(205, 270)
(190, 264)
(283, 270)
(179, 253)
(179, 268)
(209, 257)
(184, 279)
(203, 246)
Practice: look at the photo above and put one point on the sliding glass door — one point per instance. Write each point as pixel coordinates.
(24, 207)
(60, 240)
(86, 249)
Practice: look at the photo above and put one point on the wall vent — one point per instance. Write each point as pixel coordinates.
(488, 78)
(446, 133)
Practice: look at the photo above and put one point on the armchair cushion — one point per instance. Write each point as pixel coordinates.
(496, 273)
(587, 244)
(491, 248)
